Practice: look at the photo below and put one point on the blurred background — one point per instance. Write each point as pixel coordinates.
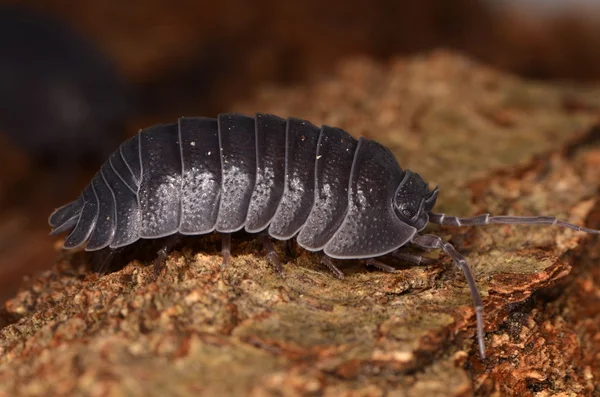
(78, 77)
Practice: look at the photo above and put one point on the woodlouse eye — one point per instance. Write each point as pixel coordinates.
(407, 213)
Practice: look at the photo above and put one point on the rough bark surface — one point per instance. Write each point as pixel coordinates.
(492, 142)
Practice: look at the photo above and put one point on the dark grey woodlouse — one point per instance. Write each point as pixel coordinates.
(281, 178)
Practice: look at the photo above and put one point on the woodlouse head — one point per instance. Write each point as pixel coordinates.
(413, 200)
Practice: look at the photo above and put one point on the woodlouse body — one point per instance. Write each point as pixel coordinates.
(286, 178)
(289, 178)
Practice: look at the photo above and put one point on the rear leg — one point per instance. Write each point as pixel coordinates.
(271, 255)
(225, 249)
(327, 261)
(163, 252)
(290, 247)
(267, 244)
(101, 262)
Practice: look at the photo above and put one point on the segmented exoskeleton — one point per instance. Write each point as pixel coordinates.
(281, 178)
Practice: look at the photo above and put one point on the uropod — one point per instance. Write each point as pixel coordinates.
(278, 178)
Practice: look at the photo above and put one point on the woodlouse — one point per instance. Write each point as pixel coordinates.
(281, 178)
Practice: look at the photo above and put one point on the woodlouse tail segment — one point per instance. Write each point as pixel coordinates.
(65, 217)
(327, 261)
(432, 241)
(271, 255)
(487, 219)
(225, 249)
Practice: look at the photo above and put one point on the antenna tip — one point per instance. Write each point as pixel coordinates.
(480, 332)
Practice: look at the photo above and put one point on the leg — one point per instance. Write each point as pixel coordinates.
(431, 241)
(225, 249)
(162, 253)
(379, 265)
(327, 261)
(486, 219)
(271, 255)
(290, 247)
(412, 258)
(106, 261)
(404, 256)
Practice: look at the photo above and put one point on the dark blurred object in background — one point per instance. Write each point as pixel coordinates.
(64, 107)
(61, 100)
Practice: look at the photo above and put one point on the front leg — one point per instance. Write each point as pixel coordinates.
(327, 261)
(380, 265)
(412, 258)
(432, 241)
